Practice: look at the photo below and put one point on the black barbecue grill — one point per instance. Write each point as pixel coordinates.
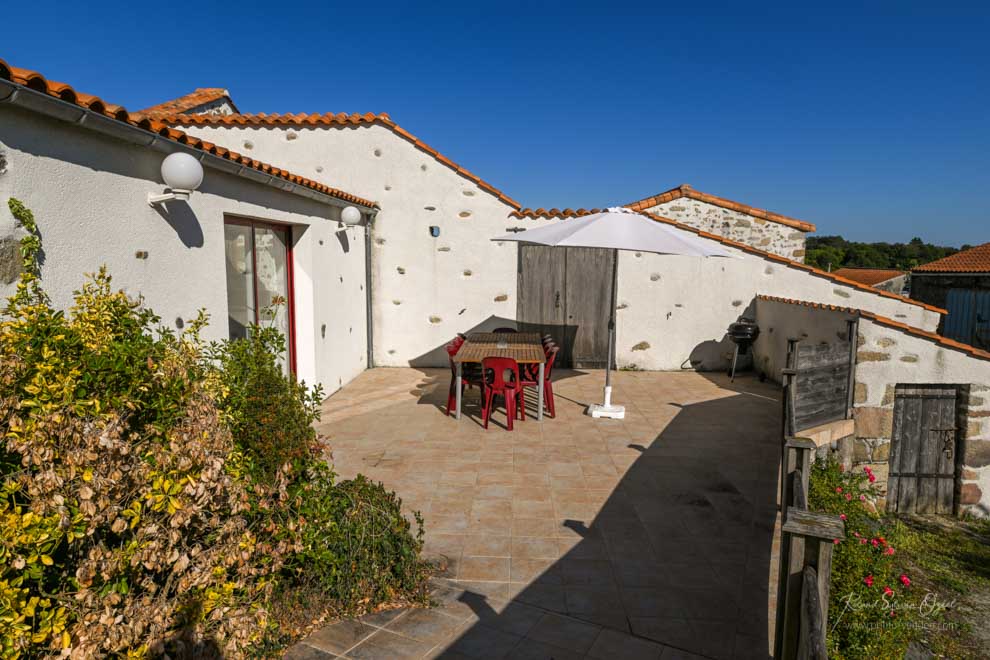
(742, 333)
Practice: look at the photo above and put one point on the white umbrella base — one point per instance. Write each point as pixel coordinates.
(598, 410)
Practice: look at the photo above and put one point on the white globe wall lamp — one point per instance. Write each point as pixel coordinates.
(350, 216)
(182, 174)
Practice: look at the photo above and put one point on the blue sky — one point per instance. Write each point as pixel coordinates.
(870, 120)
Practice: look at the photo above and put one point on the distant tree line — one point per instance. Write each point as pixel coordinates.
(836, 252)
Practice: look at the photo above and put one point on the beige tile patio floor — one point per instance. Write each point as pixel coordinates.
(647, 537)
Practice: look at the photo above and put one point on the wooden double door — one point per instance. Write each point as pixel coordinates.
(923, 452)
(567, 292)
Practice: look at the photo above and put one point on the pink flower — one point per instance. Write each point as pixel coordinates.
(890, 550)
(862, 541)
(887, 591)
(905, 580)
(842, 516)
(872, 478)
(838, 490)
(856, 534)
(868, 580)
(867, 470)
(862, 498)
(875, 542)
(836, 541)
(848, 496)
(892, 614)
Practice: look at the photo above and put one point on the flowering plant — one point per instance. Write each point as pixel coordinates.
(871, 602)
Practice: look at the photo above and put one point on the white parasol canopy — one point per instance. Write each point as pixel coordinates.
(618, 229)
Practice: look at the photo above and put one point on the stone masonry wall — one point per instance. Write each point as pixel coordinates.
(887, 357)
(757, 232)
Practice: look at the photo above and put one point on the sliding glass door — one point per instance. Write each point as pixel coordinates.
(259, 281)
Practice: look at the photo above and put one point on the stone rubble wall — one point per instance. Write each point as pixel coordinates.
(757, 232)
(887, 357)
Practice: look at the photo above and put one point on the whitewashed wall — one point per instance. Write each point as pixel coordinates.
(88, 193)
(426, 289)
(781, 321)
(888, 356)
(423, 294)
(675, 310)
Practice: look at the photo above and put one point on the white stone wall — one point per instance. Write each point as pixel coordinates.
(674, 307)
(780, 322)
(757, 232)
(887, 357)
(674, 311)
(89, 195)
(426, 289)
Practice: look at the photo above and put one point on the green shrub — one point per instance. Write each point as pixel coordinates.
(161, 496)
(271, 416)
(872, 606)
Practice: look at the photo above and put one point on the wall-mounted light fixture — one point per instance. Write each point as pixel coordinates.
(350, 216)
(182, 174)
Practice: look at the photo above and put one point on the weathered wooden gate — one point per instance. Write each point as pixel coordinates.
(566, 292)
(968, 319)
(923, 449)
(821, 382)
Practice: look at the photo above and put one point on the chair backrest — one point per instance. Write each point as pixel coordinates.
(548, 346)
(551, 358)
(452, 349)
(505, 330)
(494, 369)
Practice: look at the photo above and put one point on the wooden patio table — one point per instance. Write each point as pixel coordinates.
(523, 347)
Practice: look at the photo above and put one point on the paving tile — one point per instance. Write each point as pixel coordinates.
(611, 644)
(535, 547)
(533, 527)
(488, 545)
(306, 652)
(385, 644)
(425, 625)
(531, 570)
(530, 649)
(565, 632)
(481, 641)
(341, 636)
(484, 568)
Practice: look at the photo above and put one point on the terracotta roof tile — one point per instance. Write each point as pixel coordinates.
(974, 260)
(685, 190)
(554, 213)
(871, 276)
(38, 83)
(201, 96)
(331, 119)
(891, 323)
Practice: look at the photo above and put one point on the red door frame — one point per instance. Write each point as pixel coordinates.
(286, 231)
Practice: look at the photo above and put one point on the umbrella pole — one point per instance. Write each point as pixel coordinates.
(607, 409)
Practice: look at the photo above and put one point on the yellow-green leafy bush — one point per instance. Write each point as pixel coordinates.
(132, 520)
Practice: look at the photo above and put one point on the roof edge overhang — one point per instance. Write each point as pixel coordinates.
(941, 340)
(14, 94)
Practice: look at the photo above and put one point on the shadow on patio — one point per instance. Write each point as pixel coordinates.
(650, 537)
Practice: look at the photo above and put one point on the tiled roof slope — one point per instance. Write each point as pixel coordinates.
(201, 96)
(35, 81)
(571, 213)
(871, 276)
(974, 260)
(685, 190)
(890, 323)
(339, 119)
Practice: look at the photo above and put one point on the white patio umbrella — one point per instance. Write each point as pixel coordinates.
(618, 229)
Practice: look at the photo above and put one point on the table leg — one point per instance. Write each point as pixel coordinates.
(459, 386)
(539, 403)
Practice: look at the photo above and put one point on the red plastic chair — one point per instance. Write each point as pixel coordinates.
(531, 379)
(469, 377)
(493, 371)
